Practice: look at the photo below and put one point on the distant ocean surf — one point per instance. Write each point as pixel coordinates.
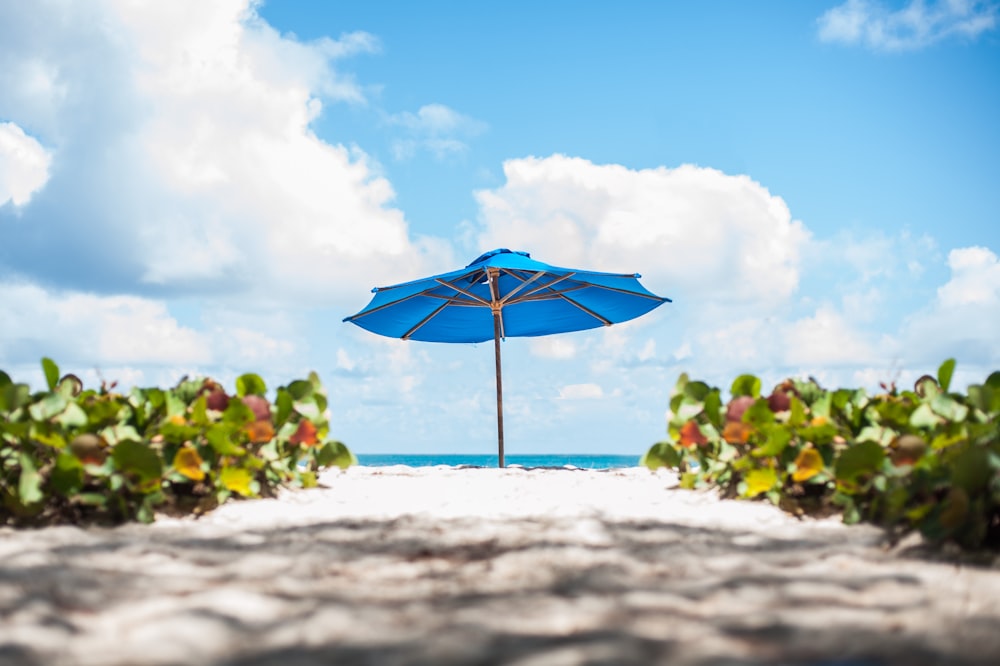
(583, 461)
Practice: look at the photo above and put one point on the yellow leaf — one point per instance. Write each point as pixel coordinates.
(760, 481)
(808, 464)
(236, 479)
(188, 462)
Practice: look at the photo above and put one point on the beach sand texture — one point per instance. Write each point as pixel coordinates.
(444, 565)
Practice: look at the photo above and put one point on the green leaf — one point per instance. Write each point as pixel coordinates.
(29, 486)
(758, 414)
(924, 417)
(238, 414)
(776, 442)
(971, 470)
(863, 458)
(137, 458)
(713, 409)
(283, 405)
(300, 389)
(335, 453)
(67, 475)
(945, 373)
(5, 379)
(250, 384)
(72, 417)
(51, 373)
(662, 454)
(797, 413)
(697, 391)
(49, 406)
(219, 436)
(949, 408)
(746, 385)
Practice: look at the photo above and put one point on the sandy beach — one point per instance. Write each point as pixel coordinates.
(400, 565)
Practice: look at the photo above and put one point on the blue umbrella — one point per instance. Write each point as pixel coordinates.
(504, 294)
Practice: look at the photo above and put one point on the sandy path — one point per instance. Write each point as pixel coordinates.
(483, 566)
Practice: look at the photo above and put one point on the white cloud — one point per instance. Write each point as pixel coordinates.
(436, 128)
(24, 165)
(85, 328)
(689, 230)
(825, 339)
(581, 392)
(975, 279)
(183, 159)
(553, 347)
(917, 25)
(962, 320)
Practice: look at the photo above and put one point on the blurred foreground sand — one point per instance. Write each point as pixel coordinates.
(443, 565)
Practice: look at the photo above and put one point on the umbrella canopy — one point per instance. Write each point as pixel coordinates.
(504, 294)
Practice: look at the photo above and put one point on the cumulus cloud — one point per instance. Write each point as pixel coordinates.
(961, 321)
(24, 165)
(182, 156)
(689, 230)
(917, 25)
(435, 128)
(581, 392)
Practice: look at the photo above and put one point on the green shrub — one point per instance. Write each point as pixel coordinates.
(73, 455)
(926, 459)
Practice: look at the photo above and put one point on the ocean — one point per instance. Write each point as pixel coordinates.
(583, 461)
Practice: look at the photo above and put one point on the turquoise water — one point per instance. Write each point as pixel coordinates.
(584, 461)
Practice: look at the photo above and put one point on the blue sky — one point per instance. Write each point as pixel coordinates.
(210, 190)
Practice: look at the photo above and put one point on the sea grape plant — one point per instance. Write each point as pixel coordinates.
(69, 454)
(925, 459)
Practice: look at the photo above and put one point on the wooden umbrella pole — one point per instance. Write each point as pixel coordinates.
(496, 348)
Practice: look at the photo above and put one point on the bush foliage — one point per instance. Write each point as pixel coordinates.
(926, 459)
(69, 454)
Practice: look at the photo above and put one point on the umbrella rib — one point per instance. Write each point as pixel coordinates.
(479, 300)
(543, 287)
(406, 336)
(524, 283)
(603, 320)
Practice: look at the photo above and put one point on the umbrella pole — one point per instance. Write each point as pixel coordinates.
(496, 348)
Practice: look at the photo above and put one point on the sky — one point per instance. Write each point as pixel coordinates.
(193, 188)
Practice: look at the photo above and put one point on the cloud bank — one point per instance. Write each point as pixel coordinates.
(917, 25)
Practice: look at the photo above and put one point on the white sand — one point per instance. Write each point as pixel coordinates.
(484, 566)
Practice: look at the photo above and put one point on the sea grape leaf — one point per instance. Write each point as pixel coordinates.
(305, 433)
(696, 391)
(776, 442)
(746, 385)
(713, 408)
(758, 414)
(335, 453)
(924, 417)
(250, 384)
(135, 457)
(862, 458)
(69, 386)
(5, 379)
(949, 408)
(284, 405)
(220, 437)
(971, 470)
(945, 373)
(238, 413)
(760, 481)
(29, 486)
(300, 389)
(797, 412)
(188, 462)
(67, 475)
(237, 480)
(51, 371)
(72, 417)
(49, 406)
(808, 464)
